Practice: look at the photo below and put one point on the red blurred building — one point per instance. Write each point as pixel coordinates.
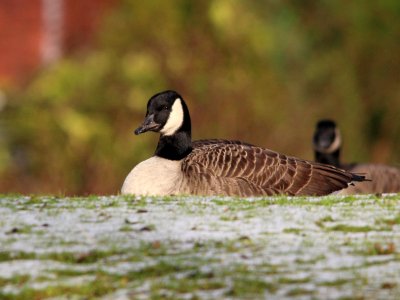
(37, 32)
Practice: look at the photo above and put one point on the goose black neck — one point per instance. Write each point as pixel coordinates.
(328, 158)
(174, 147)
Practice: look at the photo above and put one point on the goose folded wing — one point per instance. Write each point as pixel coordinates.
(248, 170)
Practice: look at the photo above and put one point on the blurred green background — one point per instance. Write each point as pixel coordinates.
(259, 71)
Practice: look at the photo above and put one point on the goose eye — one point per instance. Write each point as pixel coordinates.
(161, 108)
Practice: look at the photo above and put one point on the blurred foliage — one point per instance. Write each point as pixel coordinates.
(259, 71)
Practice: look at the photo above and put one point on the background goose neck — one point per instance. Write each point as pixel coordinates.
(328, 158)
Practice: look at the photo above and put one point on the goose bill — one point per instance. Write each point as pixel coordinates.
(148, 125)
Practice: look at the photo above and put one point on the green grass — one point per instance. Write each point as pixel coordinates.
(352, 228)
(198, 247)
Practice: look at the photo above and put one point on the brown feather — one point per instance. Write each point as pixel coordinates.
(383, 179)
(234, 168)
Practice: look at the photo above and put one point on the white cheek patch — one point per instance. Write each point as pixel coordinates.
(336, 143)
(175, 119)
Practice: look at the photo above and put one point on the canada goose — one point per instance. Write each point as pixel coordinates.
(220, 167)
(327, 144)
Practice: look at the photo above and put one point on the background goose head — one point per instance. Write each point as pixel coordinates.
(327, 142)
(167, 113)
(327, 137)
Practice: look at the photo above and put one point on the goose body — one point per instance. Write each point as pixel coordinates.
(327, 147)
(220, 167)
(384, 179)
(154, 176)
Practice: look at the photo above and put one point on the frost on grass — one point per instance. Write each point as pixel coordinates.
(206, 247)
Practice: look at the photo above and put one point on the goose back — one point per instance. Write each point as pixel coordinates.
(235, 168)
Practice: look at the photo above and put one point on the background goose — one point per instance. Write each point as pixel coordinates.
(327, 144)
(220, 167)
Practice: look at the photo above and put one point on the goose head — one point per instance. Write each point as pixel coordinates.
(327, 138)
(167, 114)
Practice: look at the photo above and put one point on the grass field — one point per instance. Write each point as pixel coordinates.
(119, 247)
